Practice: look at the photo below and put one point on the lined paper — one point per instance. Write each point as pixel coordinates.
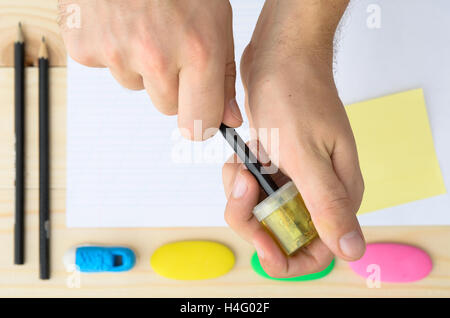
(121, 170)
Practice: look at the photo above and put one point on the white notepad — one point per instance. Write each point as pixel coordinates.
(124, 167)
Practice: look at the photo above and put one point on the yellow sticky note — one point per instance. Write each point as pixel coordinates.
(396, 150)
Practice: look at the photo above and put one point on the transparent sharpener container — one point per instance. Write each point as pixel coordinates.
(286, 217)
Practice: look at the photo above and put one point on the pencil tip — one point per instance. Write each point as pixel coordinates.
(43, 53)
(19, 33)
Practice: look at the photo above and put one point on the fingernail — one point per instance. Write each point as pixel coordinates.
(235, 109)
(239, 187)
(259, 250)
(352, 244)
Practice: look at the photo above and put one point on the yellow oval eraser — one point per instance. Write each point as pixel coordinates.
(192, 260)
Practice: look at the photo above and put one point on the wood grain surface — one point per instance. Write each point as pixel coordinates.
(39, 18)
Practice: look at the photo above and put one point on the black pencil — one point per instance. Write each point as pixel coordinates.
(19, 100)
(44, 165)
(249, 159)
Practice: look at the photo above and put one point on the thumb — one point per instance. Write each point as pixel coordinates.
(231, 114)
(332, 210)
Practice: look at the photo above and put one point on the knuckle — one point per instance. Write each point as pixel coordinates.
(201, 51)
(230, 69)
(361, 187)
(358, 195)
(169, 111)
(155, 62)
(276, 268)
(334, 205)
(322, 265)
(164, 104)
(229, 218)
(230, 167)
(152, 57)
(112, 55)
(166, 109)
(275, 271)
(129, 80)
(270, 272)
(79, 53)
(135, 86)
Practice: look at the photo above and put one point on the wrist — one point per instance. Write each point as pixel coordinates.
(304, 25)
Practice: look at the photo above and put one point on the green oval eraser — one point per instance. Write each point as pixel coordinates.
(256, 265)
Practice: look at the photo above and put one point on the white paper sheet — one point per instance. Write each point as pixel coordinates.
(123, 159)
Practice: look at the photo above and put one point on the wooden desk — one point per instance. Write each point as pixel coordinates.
(39, 18)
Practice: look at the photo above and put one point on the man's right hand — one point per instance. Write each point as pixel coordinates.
(181, 52)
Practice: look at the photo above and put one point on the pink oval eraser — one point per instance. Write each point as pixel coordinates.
(393, 263)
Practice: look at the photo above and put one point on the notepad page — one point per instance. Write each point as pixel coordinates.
(127, 166)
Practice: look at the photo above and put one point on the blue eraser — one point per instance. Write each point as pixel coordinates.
(94, 259)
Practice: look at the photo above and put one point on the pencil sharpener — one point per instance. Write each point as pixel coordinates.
(286, 218)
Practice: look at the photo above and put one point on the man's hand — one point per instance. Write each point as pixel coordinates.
(181, 52)
(288, 78)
